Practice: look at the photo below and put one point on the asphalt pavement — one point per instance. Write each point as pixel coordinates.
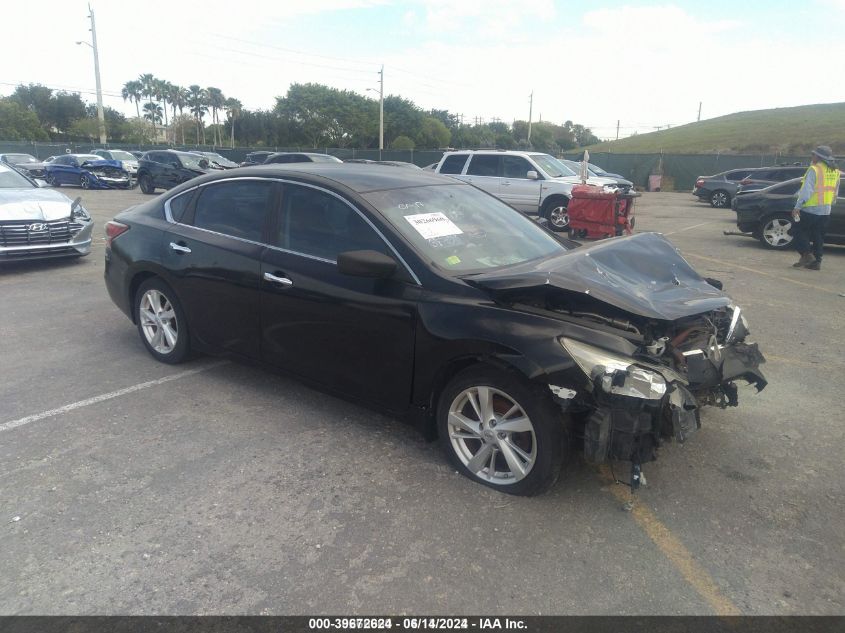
(133, 487)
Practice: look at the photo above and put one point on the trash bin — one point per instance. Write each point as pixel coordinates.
(599, 212)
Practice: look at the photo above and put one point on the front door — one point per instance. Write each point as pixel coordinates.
(484, 171)
(352, 335)
(516, 188)
(215, 255)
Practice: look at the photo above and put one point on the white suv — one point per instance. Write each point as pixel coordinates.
(534, 183)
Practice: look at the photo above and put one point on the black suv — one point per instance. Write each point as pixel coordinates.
(255, 158)
(164, 169)
(720, 189)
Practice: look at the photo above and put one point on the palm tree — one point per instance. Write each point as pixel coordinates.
(148, 88)
(197, 100)
(152, 112)
(217, 101)
(177, 97)
(131, 91)
(233, 109)
(161, 95)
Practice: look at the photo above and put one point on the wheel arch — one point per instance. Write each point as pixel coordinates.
(554, 199)
(142, 274)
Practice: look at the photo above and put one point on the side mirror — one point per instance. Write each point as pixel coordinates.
(532, 175)
(366, 264)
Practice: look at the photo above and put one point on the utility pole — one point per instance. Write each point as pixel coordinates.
(101, 119)
(530, 111)
(617, 129)
(699, 111)
(381, 112)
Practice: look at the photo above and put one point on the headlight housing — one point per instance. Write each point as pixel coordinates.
(615, 374)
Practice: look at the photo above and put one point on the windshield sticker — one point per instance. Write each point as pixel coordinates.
(453, 260)
(432, 225)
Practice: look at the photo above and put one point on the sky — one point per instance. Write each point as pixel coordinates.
(644, 64)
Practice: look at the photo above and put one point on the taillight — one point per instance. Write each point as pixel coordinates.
(113, 230)
(699, 183)
(745, 181)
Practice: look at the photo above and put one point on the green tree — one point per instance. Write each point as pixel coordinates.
(318, 115)
(198, 103)
(152, 112)
(132, 91)
(19, 124)
(401, 117)
(216, 101)
(233, 111)
(433, 133)
(148, 89)
(402, 142)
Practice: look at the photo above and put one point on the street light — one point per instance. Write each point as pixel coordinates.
(100, 115)
(380, 111)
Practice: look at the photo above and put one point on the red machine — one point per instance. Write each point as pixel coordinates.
(596, 212)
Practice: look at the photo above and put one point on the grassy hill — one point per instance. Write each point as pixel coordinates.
(788, 131)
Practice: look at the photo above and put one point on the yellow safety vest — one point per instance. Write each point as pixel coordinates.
(827, 181)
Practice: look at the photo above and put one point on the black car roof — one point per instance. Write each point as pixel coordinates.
(358, 177)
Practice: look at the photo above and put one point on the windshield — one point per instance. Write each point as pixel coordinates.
(552, 166)
(121, 155)
(462, 229)
(19, 159)
(190, 161)
(576, 167)
(10, 179)
(596, 169)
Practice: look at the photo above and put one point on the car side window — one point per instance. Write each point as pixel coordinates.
(236, 208)
(179, 204)
(316, 223)
(172, 161)
(454, 164)
(736, 175)
(787, 190)
(483, 165)
(516, 167)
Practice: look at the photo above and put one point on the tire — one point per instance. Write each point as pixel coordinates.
(486, 455)
(161, 322)
(775, 232)
(554, 210)
(146, 184)
(85, 181)
(720, 199)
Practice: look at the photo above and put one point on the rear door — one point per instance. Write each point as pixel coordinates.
(214, 254)
(485, 172)
(516, 188)
(352, 335)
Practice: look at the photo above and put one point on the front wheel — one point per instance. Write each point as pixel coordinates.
(775, 232)
(720, 199)
(555, 211)
(161, 322)
(85, 181)
(501, 431)
(146, 184)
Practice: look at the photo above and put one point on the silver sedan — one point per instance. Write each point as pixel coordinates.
(37, 223)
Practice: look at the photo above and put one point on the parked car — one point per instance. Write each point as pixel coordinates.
(50, 159)
(531, 182)
(598, 171)
(392, 163)
(27, 163)
(164, 169)
(136, 153)
(720, 189)
(300, 157)
(88, 171)
(429, 298)
(38, 223)
(217, 161)
(255, 158)
(766, 214)
(129, 161)
(623, 183)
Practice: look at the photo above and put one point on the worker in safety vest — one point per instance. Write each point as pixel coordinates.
(818, 192)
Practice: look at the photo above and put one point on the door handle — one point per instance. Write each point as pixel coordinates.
(505, 183)
(278, 280)
(179, 248)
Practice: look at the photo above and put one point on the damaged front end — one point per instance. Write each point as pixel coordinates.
(653, 342)
(107, 174)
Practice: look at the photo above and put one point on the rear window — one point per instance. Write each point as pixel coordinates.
(454, 164)
(484, 165)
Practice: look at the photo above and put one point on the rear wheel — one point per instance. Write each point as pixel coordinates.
(501, 431)
(555, 211)
(720, 199)
(146, 184)
(161, 322)
(775, 232)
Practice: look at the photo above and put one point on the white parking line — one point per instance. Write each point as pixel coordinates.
(7, 426)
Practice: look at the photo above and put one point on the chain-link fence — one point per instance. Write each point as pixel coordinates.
(678, 171)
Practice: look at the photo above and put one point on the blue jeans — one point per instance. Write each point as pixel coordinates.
(811, 228)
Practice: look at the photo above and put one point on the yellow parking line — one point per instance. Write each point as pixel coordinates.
(760, 272)
(674, 550)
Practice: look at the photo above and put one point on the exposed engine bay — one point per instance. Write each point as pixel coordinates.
(108, 174)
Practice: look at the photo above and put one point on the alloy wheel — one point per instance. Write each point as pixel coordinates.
(85, 181)
(719, 199)
(776, 232)
(559, 217)
(492, 435)
(158, 321)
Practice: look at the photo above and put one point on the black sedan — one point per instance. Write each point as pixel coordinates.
(164, 169)
(428, 298)
(766, 214)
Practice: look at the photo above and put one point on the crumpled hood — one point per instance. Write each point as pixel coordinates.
(33, 204)
(643, 274)
(102, 163)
